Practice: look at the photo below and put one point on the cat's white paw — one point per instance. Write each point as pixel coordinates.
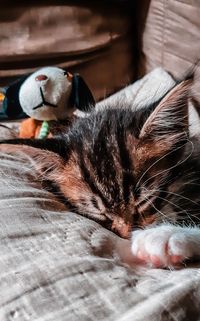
(166, 245)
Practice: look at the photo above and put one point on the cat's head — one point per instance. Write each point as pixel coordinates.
(112, 165)
(120, 158)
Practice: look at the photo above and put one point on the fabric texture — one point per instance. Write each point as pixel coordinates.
(57, 265)
(171, 38)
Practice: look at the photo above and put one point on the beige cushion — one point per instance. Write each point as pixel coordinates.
(171, 37)
(59, 266)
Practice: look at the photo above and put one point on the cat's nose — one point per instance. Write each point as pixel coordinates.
(121, 227)
(41, 78)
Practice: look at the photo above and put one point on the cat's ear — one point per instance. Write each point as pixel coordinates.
(168, 123)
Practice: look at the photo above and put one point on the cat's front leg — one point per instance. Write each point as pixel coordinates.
(166, 245)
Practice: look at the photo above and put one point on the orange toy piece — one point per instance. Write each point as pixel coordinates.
(30, 128)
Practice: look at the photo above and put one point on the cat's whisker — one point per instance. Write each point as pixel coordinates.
(191, 183)
(148, 201)
(177, 206)
(156, 162)
(188, 215)
(178, 195)
(168, 169)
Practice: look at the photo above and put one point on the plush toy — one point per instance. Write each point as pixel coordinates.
(49, 95)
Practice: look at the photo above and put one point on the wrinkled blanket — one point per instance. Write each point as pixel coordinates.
(59, 266)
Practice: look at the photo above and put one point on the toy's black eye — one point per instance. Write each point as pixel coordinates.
(65, 73)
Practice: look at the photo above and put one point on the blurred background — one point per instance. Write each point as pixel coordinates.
(110, 43)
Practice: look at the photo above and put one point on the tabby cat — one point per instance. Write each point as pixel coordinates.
(135, 170)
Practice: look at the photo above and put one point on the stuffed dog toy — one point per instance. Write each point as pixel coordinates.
(48, 96)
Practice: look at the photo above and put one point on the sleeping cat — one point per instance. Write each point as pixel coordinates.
(134, 170)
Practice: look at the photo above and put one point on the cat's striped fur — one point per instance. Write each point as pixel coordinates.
(127, 167)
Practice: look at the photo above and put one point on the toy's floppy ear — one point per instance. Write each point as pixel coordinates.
(11, 103)
(81, 96)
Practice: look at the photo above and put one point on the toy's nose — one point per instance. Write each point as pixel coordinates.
(41, 78)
